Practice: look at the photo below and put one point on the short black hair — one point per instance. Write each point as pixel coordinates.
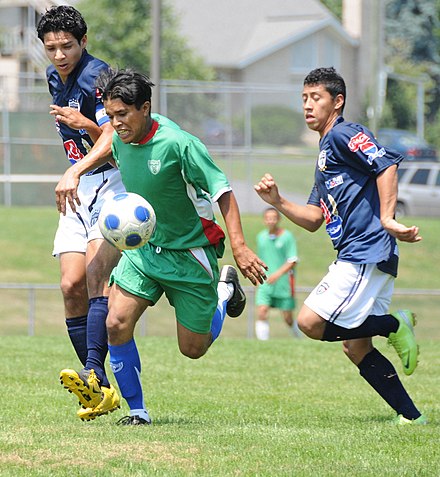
(332, 81)
(62, 18)
(127, 85)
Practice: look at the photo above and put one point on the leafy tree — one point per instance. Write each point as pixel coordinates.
(412, 48)
(335, 6)
(120, 33)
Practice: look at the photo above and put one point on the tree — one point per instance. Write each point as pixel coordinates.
(119, 32)
(412, 48)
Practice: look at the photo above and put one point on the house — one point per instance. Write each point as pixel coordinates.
(280, 41)
(246, 41)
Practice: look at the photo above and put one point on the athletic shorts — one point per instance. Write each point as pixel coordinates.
(350, 292)
(76, 229)
(188, 278)
(263, 297)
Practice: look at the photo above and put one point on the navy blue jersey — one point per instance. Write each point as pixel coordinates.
(79, 92)
(345, 188)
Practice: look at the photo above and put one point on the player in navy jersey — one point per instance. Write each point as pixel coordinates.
(355, 194)
(86, 259)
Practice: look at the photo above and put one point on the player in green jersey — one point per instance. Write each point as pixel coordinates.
(276, 246)
(173, 170)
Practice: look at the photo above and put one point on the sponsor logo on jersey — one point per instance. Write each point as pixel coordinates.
(322, 158)
(73, 152)
(154, 166)
(334, 181)
(362, 142)
(333, 222)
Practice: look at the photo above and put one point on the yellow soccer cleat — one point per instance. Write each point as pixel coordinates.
(85, 386)
(110, 402)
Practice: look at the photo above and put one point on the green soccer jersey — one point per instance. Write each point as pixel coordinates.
(275, 251)
(173, 170)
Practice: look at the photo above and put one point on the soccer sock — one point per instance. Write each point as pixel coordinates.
(224, 291)
(126, 366)
(262, 330)
(77, 330)
(381, 375)
(374, 325)
(97, 338)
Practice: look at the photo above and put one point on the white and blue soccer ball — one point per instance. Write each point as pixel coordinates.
(127, 221)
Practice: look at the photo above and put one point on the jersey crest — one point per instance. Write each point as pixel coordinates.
(154, 165)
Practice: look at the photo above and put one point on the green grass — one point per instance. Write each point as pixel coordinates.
(25, 257)
(280, 408)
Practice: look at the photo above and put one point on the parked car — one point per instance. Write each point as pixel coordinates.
(419, 189)
(408, 144)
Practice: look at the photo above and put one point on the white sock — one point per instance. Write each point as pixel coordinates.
(262, 330)
(143, 413)
(224, 291)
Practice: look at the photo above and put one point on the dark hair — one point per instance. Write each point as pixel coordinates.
(330, 79)
(127, 85)
(62, 18)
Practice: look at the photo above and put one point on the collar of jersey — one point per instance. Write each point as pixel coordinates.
(150, 134)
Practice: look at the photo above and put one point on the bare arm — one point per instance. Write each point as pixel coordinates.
(247, 261)
(387, 189)
(66, 189)
(308, 216)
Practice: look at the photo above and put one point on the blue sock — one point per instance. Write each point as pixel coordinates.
(97, 338)
(126, 366)
(381, 375)
(77, 330)
(218, 319)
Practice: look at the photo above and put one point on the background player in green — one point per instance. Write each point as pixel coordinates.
(276, 246)
(173, 170)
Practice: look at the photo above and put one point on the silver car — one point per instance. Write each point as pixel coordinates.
(419, 189)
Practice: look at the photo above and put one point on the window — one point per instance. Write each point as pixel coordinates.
(420, 177)
(304, 55)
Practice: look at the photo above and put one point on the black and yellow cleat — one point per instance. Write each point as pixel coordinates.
(110, 401)
(85, 386)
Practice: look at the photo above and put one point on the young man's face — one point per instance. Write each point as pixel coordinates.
(271, 219)
(320, 109)
(130, 123)
(64, 51)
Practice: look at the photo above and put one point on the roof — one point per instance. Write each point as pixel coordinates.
(235, 33)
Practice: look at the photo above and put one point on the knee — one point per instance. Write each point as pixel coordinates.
(192, 351)
(115, 327)
(73, 289)
(311, 328)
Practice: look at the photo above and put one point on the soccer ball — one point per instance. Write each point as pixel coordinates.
(127, 221)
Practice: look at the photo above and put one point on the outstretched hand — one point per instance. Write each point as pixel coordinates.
(250, 265)
(402, 232)
(67, 191)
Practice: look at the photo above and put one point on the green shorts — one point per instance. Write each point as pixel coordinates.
(188, 278)
(264, 297)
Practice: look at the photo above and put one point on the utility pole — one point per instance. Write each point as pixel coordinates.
(155, 55)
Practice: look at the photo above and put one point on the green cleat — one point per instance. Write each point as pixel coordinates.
(404, 341)
(110, 402)
(403, 421)
(85, 386)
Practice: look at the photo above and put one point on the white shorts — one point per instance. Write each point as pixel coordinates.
(350, 292)
(76, 229)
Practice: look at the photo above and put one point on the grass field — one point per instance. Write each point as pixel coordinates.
(25, 258)
(280, 408)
